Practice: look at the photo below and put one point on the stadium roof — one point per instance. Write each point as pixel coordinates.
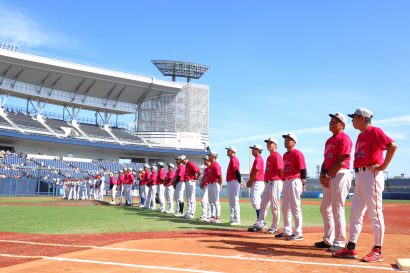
(80, 80)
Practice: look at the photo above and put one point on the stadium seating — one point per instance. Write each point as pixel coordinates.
(52, 164)
(110, 165)
(95, 131)
(85, 166)
(26, 121)
(125, 136)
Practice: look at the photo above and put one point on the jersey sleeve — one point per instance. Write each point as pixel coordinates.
(382, 139)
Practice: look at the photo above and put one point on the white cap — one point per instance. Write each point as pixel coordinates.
(271, 139)
(153, 168)
(181, 157)
(256, 146)
(146, 165)
(362, 112)
(130, 169)
(171, 165)
(212, 153)
(292, 136)
(121, 171)
(140, 169)
(231, 148)
(339, 116)
(206, 157)
(161, 164)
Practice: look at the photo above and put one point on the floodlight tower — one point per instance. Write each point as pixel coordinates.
(180, 69)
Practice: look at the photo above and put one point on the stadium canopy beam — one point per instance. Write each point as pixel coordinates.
(105, 119)
(88, 90)
(7, 70)
(37, 108)
(3, 98)
(16, 77)
(54, 84)
(41, 84)
(73, 112)
(119, 95)
(109, 94)
(77, 89)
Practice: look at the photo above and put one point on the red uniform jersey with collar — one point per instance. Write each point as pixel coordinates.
(113, 181)
(153, 178)
(336, 146)
(293, 163)
(129, 178)
(274, 164)
(205, 177)
(232, 168)
(146, 177)
(370, 146)
(161, 176)
(214, 170)
(181, 172)
(120, 179)
(259, 165)
(191, 169)
(169, 178)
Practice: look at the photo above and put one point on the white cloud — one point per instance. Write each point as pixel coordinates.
(388, 122)
(20, 28)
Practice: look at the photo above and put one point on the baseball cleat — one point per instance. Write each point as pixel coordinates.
(322, 244)
(254, 228)
(345, 253)
(281, 236)
(272, 231)
(373, 256)
(294, 238)
(334, 248)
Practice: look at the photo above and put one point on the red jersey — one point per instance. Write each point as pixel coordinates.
(232, 168)
(153, 178)
(274, 164)
(335, 147)
(294, 162)
(205, 178)
(113, 181)
(169, 178)
(129, 178)
(181, 172)
(370, 146)
(120, 179)
(191, 169)
(161, 176)
(146, 177)
(214, 170)
(258, 165)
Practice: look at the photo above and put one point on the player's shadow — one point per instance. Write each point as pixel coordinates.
(269, 247)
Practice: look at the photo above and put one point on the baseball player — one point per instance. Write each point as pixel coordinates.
(294, 183)
(206, 209)
(256, 177)
(233, 182)
(141, 186)
(152, 192)
(128, 181)
(145, 180)
(160, 185)
(214, 178)
(113, 186)
(335, 178)
(179, 182)
(169, 189)
(120, 186)
(368, 166)
(273, 188)
(191, 176)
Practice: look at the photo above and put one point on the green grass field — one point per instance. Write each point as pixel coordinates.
(107, 219)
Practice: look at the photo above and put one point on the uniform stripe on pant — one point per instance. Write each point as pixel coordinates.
(292, 189)
(271, 198)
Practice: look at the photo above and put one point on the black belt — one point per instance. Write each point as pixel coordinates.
(362, 169)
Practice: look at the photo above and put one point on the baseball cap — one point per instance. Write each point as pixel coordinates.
(146, 166)
(121, 171)
(140, 170)
(212, 153)
(153, 168)
(271, 139)
(205, 157)
(339, 116)
(362, 112)
(292, 136)
(161, 164)
(256, 146)
(130, 169)
(231, 148)
(171, 165)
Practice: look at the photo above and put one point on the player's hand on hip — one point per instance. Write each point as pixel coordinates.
(375, 168)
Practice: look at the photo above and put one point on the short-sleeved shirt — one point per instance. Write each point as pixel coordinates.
(129, 178)
(214, 171)
(181, 172)
(274, 164)
(153, 178)
(146, 177)
(232, 168)
(293, 163)
(120, 179)
(113, 181)
(191, 169)
(370, 146)
(169, 178)
(335, 147)
(205, 179)
(259, 165)
(161, 176)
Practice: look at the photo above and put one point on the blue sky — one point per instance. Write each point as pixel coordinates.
(276, 66)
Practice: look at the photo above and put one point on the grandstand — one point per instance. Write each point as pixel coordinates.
(102, 120)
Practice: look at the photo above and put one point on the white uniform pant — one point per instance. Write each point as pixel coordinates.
(151, 202)
(213, 196)
(101, 192)
(76, 192)
(332, 208)
(66, 190)
(127, 193)
(233, 196)
(84, 192)
(206, 208)
(113, 193)
(369, 187)
(256, 194)
(271, 197)
(179, 193)
(70, 192)
(169, 198)
(190, 188)
(161, 197)
(292, 189)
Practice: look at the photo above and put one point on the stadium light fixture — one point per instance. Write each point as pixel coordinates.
(180, 69)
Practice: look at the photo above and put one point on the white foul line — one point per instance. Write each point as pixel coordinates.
(60, 259)
(207, 255)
